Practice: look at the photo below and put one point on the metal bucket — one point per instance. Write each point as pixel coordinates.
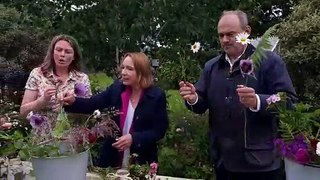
(73, 167)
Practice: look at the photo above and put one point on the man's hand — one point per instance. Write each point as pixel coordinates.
(247, 96)
(188, 92)
(123, 143)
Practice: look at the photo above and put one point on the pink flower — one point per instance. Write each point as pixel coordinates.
(273, 99)
(302, 156)
(153, 169)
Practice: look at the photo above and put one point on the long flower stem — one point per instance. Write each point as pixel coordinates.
(85, 124)
(245, 119)
(317, 133)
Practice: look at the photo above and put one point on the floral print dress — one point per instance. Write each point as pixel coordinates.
(37, 81)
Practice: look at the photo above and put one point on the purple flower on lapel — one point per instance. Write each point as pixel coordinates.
(80, 90)
(246, 66)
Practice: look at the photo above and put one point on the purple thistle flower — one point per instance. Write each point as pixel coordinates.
(246, 66)
(80, 90)
(37, 121)
(273, 99)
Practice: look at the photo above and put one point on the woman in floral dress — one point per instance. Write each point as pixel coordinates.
(59, 73)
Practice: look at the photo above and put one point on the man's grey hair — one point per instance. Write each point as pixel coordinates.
(243, 18)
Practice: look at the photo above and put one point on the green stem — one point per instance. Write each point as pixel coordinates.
(85, 124)
(317, 133)
(245, 119)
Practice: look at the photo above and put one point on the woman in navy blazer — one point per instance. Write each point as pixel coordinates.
(143, 119)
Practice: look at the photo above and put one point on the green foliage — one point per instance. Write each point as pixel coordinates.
(300, 41)
(259, 53)
(184, 150)
(99, 82)
(180, 63)
(62, 124)
(302, 120)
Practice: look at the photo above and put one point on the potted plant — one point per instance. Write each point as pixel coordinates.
(58, 146)
(299, 141)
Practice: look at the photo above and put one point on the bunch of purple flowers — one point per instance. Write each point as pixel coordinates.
(297, 149)
(300, 131)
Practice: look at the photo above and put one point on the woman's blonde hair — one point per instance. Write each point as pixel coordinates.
(142, 66)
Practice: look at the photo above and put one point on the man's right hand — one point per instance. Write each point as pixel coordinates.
(188, 92)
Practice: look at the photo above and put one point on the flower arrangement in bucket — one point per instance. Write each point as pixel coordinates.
(299, 130)
(54, 135)
(298, 143)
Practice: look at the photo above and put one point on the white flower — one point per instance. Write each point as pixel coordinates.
(243, 38)
(158, 26)
(96, 114)
(179, 130)
(30, 114)
(195, 47)
(318, 149)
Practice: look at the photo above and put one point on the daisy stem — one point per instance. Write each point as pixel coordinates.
(85, 124)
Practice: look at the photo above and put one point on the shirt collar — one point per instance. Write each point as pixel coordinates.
(72, 75)
(230, 61)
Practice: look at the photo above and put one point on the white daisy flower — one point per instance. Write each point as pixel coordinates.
(97, 114)
(158, 26)
(318, 149)
(195, 47)
(243, 38)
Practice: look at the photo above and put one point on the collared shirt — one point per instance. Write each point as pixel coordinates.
(38, 82)
(125, 130)
(231, 62)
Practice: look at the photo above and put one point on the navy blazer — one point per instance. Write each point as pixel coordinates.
(242, 144)
(150, 122)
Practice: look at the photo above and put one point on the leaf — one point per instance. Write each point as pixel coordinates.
(263, 46)
(23, 154)
(62, 124)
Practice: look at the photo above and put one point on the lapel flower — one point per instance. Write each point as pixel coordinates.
(195, 47)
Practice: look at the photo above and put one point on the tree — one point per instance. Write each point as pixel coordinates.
(300, 41)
